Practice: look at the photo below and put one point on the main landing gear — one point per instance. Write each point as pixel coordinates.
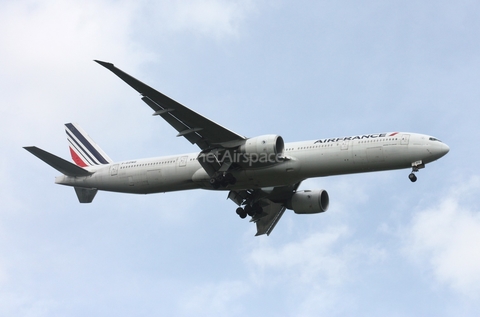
(249, 210)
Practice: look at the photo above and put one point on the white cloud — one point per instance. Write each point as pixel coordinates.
(314, 269)
(210, 18)
(50, 33)
(48, 47)
(306, 260)
(445, 238)
(46, 59)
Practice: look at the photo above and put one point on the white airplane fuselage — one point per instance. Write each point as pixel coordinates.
(262, 174)
(301, 160)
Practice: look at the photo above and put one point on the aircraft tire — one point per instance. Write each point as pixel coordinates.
(241, 212)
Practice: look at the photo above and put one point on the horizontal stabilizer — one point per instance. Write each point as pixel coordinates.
(57, 163)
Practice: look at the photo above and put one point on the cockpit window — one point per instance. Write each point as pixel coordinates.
(434, 139)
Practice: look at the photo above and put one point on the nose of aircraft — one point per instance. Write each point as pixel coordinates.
(436, 150)
(442, 149)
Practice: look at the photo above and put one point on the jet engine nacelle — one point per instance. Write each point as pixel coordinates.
(264, 149)
(309, 201)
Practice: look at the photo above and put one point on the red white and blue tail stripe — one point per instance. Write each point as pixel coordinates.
(85, 152)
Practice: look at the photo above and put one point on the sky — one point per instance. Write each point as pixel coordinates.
(301, 69)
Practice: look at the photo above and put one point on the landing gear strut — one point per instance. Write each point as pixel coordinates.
(415, 167)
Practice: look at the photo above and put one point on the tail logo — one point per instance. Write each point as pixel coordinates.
(84, 151)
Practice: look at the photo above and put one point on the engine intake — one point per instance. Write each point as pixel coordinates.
(262, 150)
(266, 144)
(309, 201)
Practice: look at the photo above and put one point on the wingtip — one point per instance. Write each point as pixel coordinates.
(104, 64)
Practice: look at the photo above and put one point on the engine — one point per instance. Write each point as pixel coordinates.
(309, 201)
(264, 149)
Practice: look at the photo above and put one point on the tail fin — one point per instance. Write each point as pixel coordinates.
(84, 151)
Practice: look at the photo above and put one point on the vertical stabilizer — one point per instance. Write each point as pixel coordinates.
(84, 151)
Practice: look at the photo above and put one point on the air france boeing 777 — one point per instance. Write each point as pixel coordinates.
(261, 174)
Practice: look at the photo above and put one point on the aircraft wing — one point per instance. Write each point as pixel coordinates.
(272, 200)
(194, 127)
(265, 224)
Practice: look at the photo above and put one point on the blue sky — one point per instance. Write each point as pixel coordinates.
(303, 70)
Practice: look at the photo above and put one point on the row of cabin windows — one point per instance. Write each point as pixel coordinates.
(289, 149)
(336, 143)
(148, 164)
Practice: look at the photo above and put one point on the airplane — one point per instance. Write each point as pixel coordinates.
(261, 174)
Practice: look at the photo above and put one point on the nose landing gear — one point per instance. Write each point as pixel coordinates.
(415, 167)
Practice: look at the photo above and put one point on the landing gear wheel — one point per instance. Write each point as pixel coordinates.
(412, 177)
(241, 212)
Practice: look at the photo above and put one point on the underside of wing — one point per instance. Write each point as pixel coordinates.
(266, 206)
(194, 127)
(272, 214)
